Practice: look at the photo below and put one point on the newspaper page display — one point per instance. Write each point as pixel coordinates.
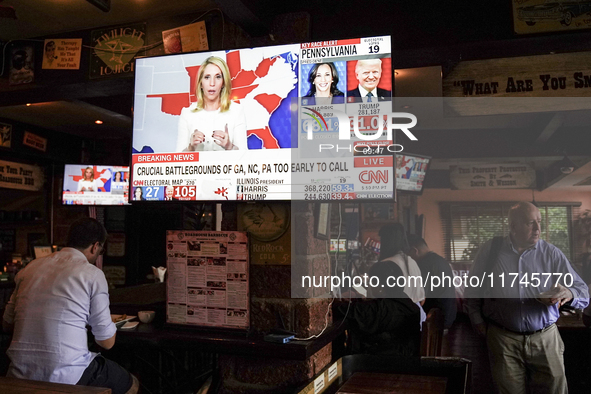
(208, 278)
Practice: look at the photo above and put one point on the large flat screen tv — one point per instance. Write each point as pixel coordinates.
(95, 185)
(253, 124)
(411, 170)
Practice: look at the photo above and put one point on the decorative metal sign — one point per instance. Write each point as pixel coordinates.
(114, 50)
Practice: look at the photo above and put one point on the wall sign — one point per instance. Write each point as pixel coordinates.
(62, 53)
(268, 225)
(34, 141)
(493, 176)
(20, 176)
(559, 75)
(114, 50)
(536, 16)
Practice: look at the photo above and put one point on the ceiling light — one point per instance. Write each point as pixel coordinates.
(566, 165)
(98, 121)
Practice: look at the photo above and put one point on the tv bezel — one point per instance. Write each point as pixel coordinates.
(126, 201)
(131, 201)
(417, 155)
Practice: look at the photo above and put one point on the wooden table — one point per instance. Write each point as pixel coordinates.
(385, 383)
(22, 386)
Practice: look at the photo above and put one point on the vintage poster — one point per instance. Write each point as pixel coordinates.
(538, 16)
(62, 54)
(114, 50)
(208, 279)
(22, 65)
(5, 135)
(189, 38)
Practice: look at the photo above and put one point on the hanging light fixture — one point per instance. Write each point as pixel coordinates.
(566, 165)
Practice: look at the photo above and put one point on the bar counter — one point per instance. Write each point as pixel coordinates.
(224, 341)
(214, 340)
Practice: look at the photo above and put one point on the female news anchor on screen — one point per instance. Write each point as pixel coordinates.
(87, 183)
(323, 78)
(213, 122)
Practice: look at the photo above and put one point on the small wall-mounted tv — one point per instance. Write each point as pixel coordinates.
(86, 184)
(411, 170)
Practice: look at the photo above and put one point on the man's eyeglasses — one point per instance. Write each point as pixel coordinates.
(102, 249)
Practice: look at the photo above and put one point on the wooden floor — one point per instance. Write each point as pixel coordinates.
(461, 341)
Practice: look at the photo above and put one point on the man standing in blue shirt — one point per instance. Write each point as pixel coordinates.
(525, 347)
(54, 299)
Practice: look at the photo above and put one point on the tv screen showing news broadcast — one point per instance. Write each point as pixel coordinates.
(410, 172)
(95, 185)
(265, 123)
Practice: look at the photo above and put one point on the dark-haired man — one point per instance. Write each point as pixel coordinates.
(49, 54)
(387, 322)
(55, 298)
(433, 265)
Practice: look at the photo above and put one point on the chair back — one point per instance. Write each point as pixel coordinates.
(432, 334)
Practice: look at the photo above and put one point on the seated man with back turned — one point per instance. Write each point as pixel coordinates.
(524, 345)
(388, 321)
(54, 299)
(432, 264)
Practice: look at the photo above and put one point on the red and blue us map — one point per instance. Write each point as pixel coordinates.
(261, 82)
(74, 173)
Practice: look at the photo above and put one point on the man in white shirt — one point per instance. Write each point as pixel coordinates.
(55, 298)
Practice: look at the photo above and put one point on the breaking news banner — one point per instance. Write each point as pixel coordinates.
(274, 132)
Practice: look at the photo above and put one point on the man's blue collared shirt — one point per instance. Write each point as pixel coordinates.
(55, 298)
(511, 300)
